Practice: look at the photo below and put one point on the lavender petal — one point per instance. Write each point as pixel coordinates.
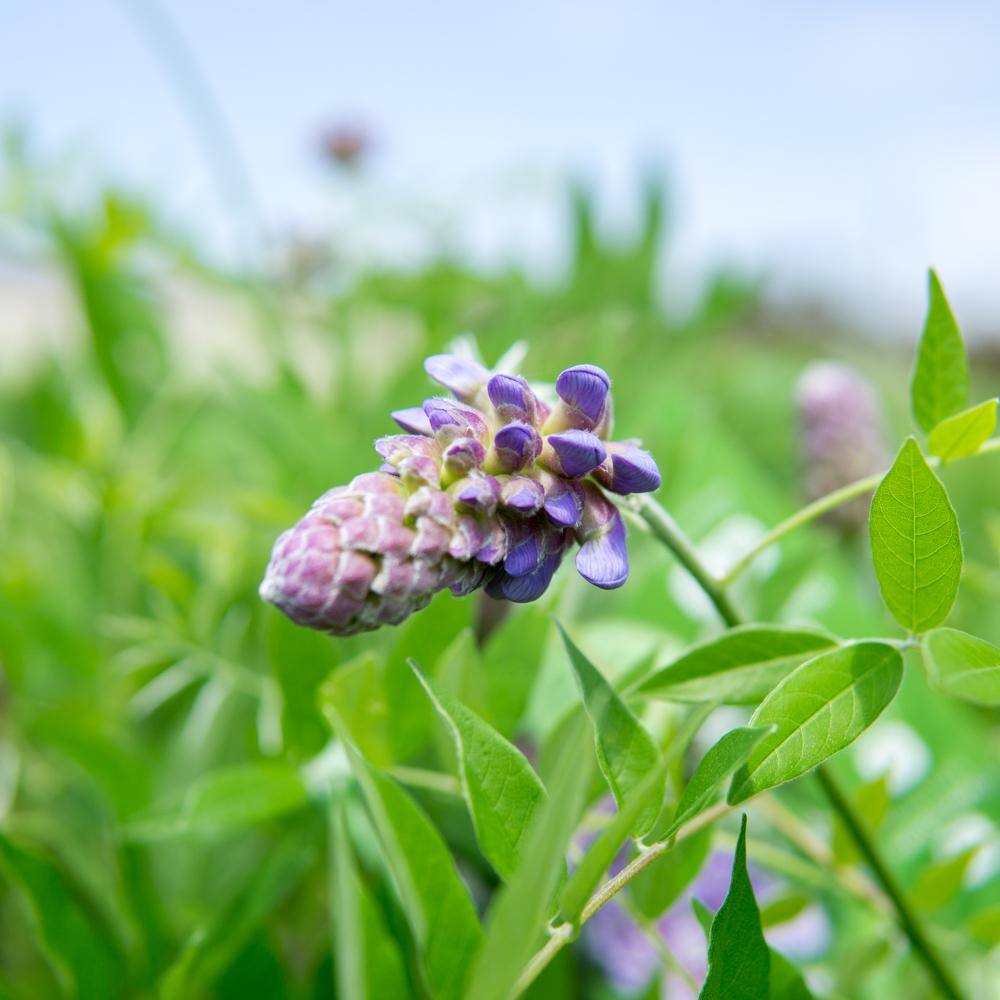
(585, 388)
(578, 452)
(462, 376)
(603, 559)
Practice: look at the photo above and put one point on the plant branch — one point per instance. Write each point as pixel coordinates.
(822, 506)
(670, 534)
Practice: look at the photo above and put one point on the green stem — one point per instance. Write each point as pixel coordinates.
(907, 918)
(822, 506)
(669, 532)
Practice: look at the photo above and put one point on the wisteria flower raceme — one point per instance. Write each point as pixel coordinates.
(489, 489)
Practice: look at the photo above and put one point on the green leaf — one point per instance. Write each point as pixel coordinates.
(818, 710)
(517, 919)
(916, 546)
(964, 433)
(355, 694)
(435, 900)
(368, 963)
(703, 915)
(940, 384)
(786, 981)
(625, 750)
(715, 767)
(739, 667)
(937, 884)
(500, 786)
(739, 960)
(656, 888)
(510, 665)
(871, 800)
(984, 926)
(784, 908)
(80, 949)
(962, 665)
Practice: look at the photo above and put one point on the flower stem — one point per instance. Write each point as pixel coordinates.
(670, 534)
(825, 504)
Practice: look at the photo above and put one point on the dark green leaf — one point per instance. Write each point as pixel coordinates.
(962, 665)
(436, 902)
(962, 434)
(738, 957)
(739, 667)
(625, 750)
(500, 786)
(940, 385)
(786, 981)
(818, 710)
(916, 546)
(517, 919)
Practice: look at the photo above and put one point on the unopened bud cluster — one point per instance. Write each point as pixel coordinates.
(486, 489)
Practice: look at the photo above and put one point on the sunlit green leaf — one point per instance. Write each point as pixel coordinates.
(916, 546)
(964, 433)
(940, 383)
(817, 710)
(500, 786)
(738, 667)
(738, 958)
(517, 918)
(625, 750)
(436, 902)
(368, 964)
(962, 665)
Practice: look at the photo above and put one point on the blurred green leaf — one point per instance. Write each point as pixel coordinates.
(739, 667)
(719, 763)
(368, 963)
(871, 800)
(625, 750)
(738, 958)
(703, 915)
(940, 882)
(916, 546)
(499, 785)
(964, 433)
(782, 909)
(80, 949)
(817, 710)
(940, 384)
(436, 902)
(962, 665)
(517, 917)
(984, 926)
(656, 888)
(355, 695)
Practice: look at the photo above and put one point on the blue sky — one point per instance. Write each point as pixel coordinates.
(840, 148)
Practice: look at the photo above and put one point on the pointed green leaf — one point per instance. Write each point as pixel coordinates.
(703, 915)
(871, 800)
(940, 384)
(940, 882)
(984, 926)
(367, 960)
(787, 982)
(435, 900)
(782, 909)
(625, 750)
(657, 887)
(962, 665)
(719, 763)
(964, 433)
(818, 710)
(501, 788)
(738, 667)
(916, 546)
(517, 919)
(739, 962)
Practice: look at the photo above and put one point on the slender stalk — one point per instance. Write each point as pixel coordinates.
(669, 532)
(907, 918)
(822, 506)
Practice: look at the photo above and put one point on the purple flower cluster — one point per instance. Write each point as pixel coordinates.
(486, 489)
(843, 436)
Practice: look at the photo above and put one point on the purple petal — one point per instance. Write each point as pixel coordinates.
(463, 455)
(479, 492)
(512, 398)
(530, 586)
(454, 418)
(603, 560)
(633, 470)
(517, 445)
(412, 419)
(523, 555)
(584, 387)
(524, 495)
(461, 375)
(564, 503)
(579, 452)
